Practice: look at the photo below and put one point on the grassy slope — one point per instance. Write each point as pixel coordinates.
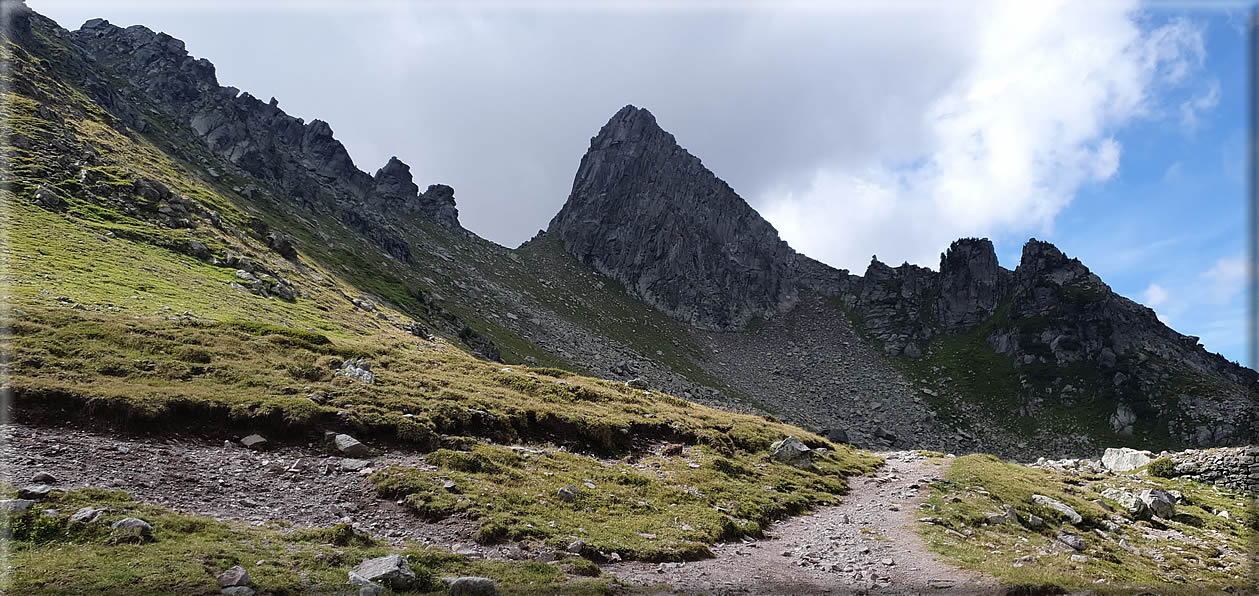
(114, 323)
(977, 484)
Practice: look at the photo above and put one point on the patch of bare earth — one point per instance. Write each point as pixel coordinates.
(302, 484)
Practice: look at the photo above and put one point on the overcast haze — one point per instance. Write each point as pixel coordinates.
(871, 128)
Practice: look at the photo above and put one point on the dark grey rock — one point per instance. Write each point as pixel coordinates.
(350, 447)
(37, 492)
(254, 442)
(1071, 539)
(43, 478)
(648, 214)
(236, 576)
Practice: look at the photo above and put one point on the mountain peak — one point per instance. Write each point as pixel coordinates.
(647, 213)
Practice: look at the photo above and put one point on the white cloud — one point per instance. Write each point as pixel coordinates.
(1191, 108)
(1225, 279)
(1155, 295)
(1007, 144)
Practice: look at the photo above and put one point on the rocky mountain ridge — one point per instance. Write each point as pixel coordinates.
(301, 159)
(972, 356)
(647, 213)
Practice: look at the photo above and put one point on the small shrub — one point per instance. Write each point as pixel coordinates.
(194, 355)
(1162, 467)
(471, 463)
(307, 372)
(582, 567)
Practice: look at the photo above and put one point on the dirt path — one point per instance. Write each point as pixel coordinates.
(866, 544)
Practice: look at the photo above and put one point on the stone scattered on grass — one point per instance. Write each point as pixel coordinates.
(391, 571)
(1071, 539)
(473, 586)
(36, 492)
(133, 527)
(1135, 507)
(567, 493)
(792, 452)
(1160, 502)
(15, 506)
(359, 369)
(1058, 506)
(86, 515)
(236, 576)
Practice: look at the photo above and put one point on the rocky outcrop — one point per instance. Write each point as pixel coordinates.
(648, 214)
(1230, 467)
(972, 284)
(302, 161)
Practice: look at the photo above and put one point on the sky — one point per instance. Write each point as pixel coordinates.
(1112, 128)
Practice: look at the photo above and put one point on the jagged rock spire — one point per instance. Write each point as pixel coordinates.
(647, 213)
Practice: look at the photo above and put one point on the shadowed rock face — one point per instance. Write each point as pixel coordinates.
(302, 159)
(972, 284)
(647, 213)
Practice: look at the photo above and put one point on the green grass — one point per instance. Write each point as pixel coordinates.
(49, 555)
(980, 483)
(646, 507)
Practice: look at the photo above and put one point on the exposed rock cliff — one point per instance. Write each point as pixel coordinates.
(301, 159)
(647, 213)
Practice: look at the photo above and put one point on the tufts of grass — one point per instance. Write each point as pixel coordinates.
(51, 555)
(1195, 552)
(652, 508)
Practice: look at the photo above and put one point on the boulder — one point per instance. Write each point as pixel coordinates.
(1071, 539)
(1058, 506)
(133, 527)
(37, 492)
(392, 571)
(350, 447)
(48, 197)
(15, 506)
(236, 576)
(792, 452)
(568, 493)
(1123, 459)
(43, 478)
(636, 384)
(1159, 502)
(835, 435)
(1135, 507)
(1006, 516)
(473, 586)
(254, 442)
